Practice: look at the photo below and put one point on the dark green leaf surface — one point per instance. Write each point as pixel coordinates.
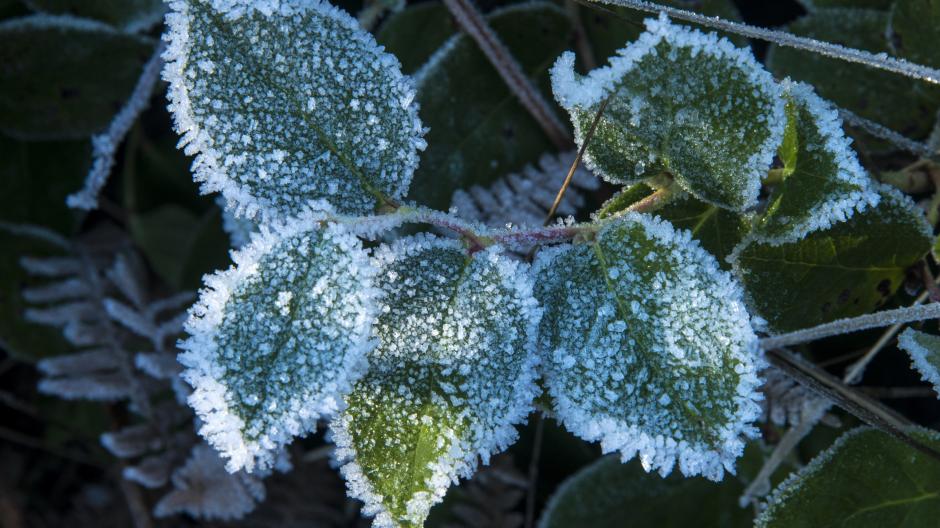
(128, 15)
(63, 77)
(479, 130)
(846, 270)
(415, 33)
(915, 31)
(867, 479)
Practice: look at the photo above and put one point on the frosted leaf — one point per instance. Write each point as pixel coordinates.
(132, 441)
(203, 489)
(647, 347)
(150, 472)
(453, 371)
(924, 350)
(277, 339)
(680, 101)
(823, 184)
(524, 198)
(284, 102)
(239, 230)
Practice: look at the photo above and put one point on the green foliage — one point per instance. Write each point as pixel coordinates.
(924, 350)
(632, 349)
(454, 368)
(479, 129)
(128, 15)
(915, 29)
(866, 479)
(682, 102)
(413, 34)
(63, 77)
(848, 269)
(902, 104)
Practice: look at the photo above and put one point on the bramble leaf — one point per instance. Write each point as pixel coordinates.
(648, 348)
(453, 371)
(64, 77)
(924, 350)
(128, 15)
(479, 131)
(680, 101)
(915, 29)
(278, 339)
(843, 271)
(289, 102)
(415, 33)
(823, 183)
(867, 479)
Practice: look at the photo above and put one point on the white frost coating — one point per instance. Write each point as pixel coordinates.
(239, 230)
(287, 101)
(104, 146)
(523, 199)
(456, 354)
(837, 206)
(583, 93)
(647, 348)
(875, 60)
(261, 374)
(924, 350)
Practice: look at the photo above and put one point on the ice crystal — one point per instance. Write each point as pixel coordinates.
(647, 347)
(453, 371)
(523, 199)
(924, 350)
(824, 184)
(277, 339)
(288, 101)
(680, 101)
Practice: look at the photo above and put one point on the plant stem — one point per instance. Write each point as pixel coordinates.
(534, 471)
(854, 324)
(880, 131)
(473, 23)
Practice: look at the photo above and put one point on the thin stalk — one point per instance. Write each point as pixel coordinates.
(534, 471)
(577, 160)
(782, 38)
(854, 324)
(581, 41)
(880, 131)
(473, 23)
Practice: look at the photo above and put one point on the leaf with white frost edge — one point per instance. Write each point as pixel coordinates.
(278, 339)
(924, 350)
(823, 183)
(680, 101)
(453, 371)
(647, 347)
(285, 102)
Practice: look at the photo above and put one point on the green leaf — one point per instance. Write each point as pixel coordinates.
(35, 178)
(129, 15)
(866, 479)
(902, 104)
(63, 77)
(613, 494)
(415, 33)
(454, 369)
(680, 101)
(478, 129)
(812, 5)
(647, 347)
(924, 350)
(181, 246)
(847, 270)
(823, 182)
(718, 230)
(278, 339)
(915, 30)
(289, 104)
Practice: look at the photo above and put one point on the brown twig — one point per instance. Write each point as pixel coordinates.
(534, 471)
(472, 22)
(577, 160)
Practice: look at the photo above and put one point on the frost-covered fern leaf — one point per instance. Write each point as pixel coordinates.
(924, 350)
(785, 402)
(453, 371)
(647, 347)
(680, 101)
(823, 182)
(277, 339)
(524, 198)
(491, 498)
(204, 489)
(288, 101)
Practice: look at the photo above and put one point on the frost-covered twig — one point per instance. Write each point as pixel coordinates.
(473, 23)
(880, 61)
(854, 324)
(105, 145)
(880, 131)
